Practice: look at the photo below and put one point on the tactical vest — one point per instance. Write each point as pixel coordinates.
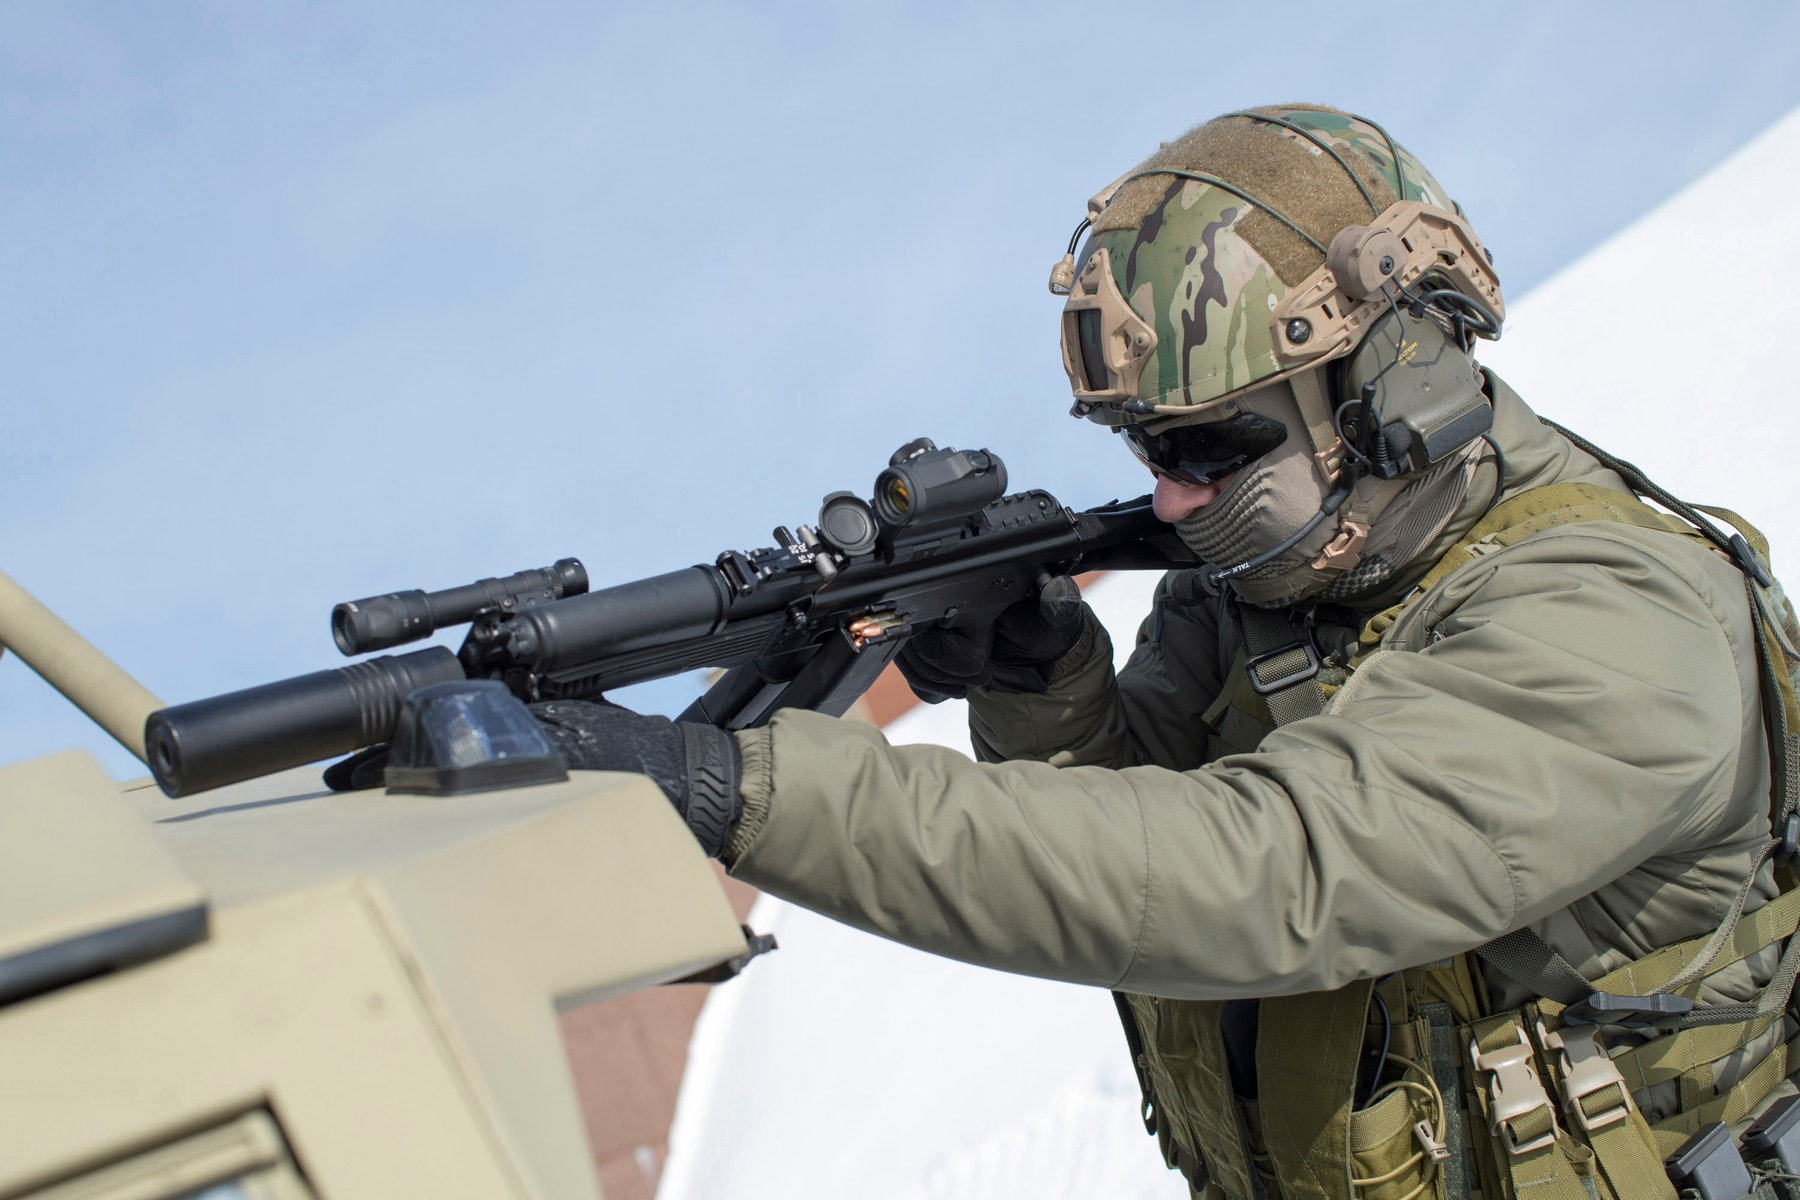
(1465, 1103)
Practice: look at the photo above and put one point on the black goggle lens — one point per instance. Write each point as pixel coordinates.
(1206, 453)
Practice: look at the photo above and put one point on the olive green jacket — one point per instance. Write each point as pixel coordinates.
(1563, 734)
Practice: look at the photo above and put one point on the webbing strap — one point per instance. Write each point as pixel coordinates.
(1517, 1110)
(1772, 999)
(1689, 1057)
(1315, 410)
(1525, 958)
(1598, 1104)
(1731, 1105)
(1681, 966)
(1751, 533)
(1642, 484)
(1541, 1158)
(1281, 660)
(1630, 1158)
(1293, 704)
(1773, 921)
(1708, 953)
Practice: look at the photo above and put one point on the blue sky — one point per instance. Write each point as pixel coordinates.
(311, 301)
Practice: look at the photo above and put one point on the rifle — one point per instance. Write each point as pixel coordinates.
(807, 623)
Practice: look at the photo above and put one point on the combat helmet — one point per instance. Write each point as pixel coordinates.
(1262, 245)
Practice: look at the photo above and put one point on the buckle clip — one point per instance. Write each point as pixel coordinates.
(1663, 1010)
(1790, 839)
(1329, 462)
(1344, 551)
(1514, 1093)
(1586, 1070)
(1306, 670)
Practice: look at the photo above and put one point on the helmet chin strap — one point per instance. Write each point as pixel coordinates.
(1333, 501)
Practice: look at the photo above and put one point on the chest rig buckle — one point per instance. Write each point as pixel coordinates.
(1587, 1072)
(1515, 1094)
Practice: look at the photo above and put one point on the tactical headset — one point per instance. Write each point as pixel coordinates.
(1408, 396)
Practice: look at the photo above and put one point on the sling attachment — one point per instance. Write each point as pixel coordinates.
(1748, 562)
(1281, 659)
(1519, 1110)
(1790, 840)
(1284, 666)
(1663, 1010)
(1280, 651)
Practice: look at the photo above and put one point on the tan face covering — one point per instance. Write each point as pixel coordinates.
(1267, 501)
(1262, 506)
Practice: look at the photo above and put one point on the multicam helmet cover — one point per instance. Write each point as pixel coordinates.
(1209, 267)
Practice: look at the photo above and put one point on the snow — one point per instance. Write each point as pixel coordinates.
(847, 1065)
(1665, 344)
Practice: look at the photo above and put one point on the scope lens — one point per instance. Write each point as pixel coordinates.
(897, 495)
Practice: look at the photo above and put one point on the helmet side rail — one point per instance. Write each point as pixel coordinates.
(808, 623)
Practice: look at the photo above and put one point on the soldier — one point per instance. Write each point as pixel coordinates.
(1380, 832)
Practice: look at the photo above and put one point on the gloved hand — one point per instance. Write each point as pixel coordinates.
(697, 766)
(1017, 650)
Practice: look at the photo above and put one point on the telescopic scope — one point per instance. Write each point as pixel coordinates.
(359, 626)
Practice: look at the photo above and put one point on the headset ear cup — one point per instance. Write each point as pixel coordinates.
(1421, 392)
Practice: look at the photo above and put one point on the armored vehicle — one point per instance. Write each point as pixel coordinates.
(276, 990)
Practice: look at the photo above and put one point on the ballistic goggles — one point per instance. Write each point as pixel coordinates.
(1205, 453)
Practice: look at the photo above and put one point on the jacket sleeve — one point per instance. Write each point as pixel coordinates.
(1089, 718)
(1561, 722)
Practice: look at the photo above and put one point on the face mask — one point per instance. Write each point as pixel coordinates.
(1262, 506)
(1276, 495)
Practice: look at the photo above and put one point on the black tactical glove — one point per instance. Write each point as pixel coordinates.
(697, 766)
(1017, 650)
